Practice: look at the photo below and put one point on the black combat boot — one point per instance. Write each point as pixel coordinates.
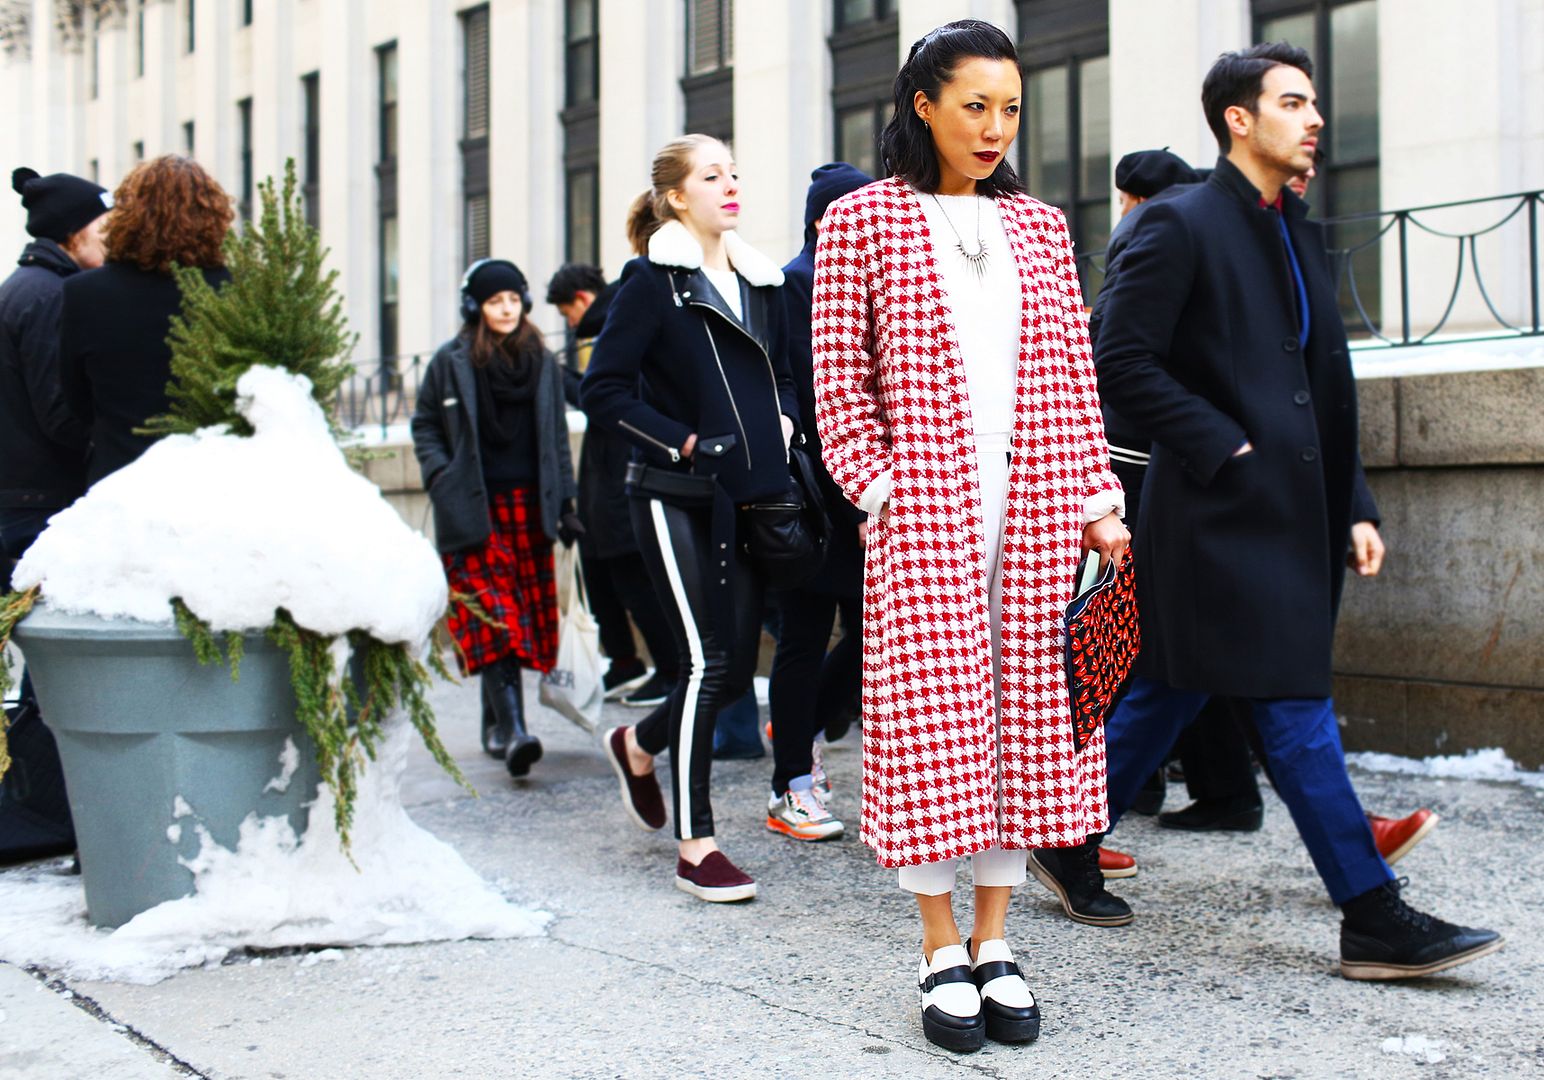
(1382, 937)
(1073, 874)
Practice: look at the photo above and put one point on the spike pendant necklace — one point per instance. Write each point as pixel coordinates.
(975, 260)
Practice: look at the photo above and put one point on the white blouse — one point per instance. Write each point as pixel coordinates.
(727, 282)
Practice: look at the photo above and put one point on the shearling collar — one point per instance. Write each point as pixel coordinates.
(672, 245)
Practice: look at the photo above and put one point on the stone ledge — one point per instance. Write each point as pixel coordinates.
(1420, 719)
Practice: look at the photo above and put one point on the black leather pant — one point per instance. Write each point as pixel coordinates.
(717, 662)
(810, 686)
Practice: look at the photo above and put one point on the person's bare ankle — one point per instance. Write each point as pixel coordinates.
(639, 763)
(695, 850)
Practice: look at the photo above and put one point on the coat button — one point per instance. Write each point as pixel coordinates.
(1300, 398)
(1309, 454)
(1289, 344)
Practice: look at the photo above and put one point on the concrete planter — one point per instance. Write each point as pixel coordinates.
(140, 723)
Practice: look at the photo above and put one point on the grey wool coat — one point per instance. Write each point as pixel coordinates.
(445, 441)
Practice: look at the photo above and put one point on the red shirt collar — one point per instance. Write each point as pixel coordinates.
(1277, 205)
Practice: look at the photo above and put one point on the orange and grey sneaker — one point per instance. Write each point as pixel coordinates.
(802, 816)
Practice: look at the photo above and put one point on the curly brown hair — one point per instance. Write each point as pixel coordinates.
(169, 210)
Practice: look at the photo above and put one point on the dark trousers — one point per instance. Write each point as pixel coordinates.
(620, 587)
(717, 662)
(1301, 742)
(810, 686)
(1214, 751)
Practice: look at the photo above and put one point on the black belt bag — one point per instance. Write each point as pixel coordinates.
(679, 488)
(786, 538)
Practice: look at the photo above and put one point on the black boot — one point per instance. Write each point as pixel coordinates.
(1382, 937)
(1240, 814)
(495, 736)
(1073, 874)
(524, 749)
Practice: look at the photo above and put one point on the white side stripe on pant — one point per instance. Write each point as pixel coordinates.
(681, 768)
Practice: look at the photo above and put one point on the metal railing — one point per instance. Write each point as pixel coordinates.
(1364, 248)
(384, 391)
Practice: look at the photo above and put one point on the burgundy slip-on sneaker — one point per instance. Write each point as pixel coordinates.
(640, 794)
(715, 879)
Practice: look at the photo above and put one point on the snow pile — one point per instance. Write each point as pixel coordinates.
(1491, 764)
(273, 891)
(1427, 1051)
(240, 526)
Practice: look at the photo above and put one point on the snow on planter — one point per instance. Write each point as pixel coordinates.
(273, 891)
(238, 527)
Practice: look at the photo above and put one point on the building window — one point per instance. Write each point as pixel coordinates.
(582, 67)
(475, 208)
(311, 147)
(96, 57)
(246, 12)
(708, 86)
(96, 171)
(709, 36)
(244, 117)
(189, 18)
(1341, 37)
(138, 151)
(581, 135)
(187, 138)
(863, 50)
(856, 12)
(386, 182)
(1064, 140)
(581, 240)
(387, 58)
(139, 39)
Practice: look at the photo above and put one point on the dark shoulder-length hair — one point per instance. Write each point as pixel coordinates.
(906, 144)
(519, 348)
(169, 210)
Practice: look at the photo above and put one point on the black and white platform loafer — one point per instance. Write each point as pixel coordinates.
(1011, 1012)
(951, 1005)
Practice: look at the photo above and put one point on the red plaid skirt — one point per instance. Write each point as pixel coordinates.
(511, 577)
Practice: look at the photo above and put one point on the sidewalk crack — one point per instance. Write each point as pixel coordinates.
(928, 1050)
(92, 1008)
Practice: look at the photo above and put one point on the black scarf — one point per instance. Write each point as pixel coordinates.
(505, 384)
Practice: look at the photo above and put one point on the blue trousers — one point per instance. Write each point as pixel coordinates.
(1302, 747)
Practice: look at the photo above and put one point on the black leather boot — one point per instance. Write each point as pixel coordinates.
(1073, 874)
(1382, 937)
(495, 736)
(523, 749)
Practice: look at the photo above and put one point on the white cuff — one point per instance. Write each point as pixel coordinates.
(876, 495)
(1097, 506)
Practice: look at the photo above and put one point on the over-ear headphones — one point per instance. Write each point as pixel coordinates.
(471, 310)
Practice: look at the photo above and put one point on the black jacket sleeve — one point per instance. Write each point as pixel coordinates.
(1363, 506)
(568, 481)
(609, 393)
(430, 442)
(74, 386)
(1135, 365)
(782, 373)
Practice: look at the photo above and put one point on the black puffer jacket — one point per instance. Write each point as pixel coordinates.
(42, 443)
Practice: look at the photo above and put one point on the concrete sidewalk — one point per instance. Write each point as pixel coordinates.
(1229, 970)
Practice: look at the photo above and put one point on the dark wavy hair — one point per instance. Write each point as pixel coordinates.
(906, 144)
(1238, 78)
(169, 210)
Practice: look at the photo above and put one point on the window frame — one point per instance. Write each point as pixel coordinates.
(311, 146)
(572, 46)
(863, 74)
(244, 156)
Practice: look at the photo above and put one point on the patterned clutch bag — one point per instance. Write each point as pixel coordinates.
(1103, 637)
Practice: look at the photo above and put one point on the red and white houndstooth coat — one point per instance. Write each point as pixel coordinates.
(940, 780)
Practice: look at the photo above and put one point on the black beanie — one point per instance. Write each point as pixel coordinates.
(494, 277)
(827, 184)
(1147, 172)
(59, 205)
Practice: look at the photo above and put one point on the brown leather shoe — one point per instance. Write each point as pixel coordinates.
(1116, 864)
(640, 794)
(1396, 836)
(715, 879)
